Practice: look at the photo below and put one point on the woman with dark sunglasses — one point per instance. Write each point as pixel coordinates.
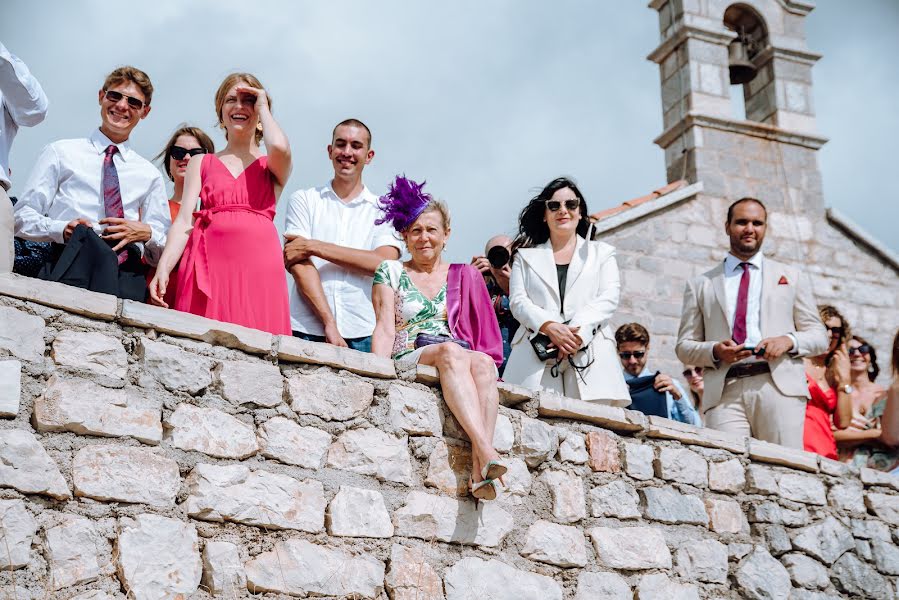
(563, 290)
(183, 145)
(860, 442)
(693, 377)
(828, 376)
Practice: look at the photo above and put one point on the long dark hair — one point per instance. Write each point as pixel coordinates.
(532, 228)
(873, 369)
(896, 355)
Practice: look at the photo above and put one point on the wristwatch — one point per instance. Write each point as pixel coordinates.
(847, 388)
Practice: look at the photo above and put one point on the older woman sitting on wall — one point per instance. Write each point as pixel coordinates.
(434, 313)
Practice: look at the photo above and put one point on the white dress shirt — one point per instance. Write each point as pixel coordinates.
(320, 214)
(23, 102)
(733, 272)
(66, 184)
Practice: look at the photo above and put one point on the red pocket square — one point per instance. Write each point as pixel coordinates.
(783, 281)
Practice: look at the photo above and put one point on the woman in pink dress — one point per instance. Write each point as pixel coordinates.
(232, 268)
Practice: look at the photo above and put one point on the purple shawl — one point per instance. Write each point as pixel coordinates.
(470, 311)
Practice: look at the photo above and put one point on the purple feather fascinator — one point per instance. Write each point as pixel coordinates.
(403, 203)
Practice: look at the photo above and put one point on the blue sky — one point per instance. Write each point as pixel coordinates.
(487, 101)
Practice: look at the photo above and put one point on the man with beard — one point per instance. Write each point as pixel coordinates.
(748, 322)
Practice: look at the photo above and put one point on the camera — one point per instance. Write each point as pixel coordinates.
(498, 257)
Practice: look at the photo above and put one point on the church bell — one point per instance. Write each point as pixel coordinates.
(742, 70)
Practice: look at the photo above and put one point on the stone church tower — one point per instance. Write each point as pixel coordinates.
(714, 154)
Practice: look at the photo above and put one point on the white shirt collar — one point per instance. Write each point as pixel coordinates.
(101, 143)
(364, 196)
(732, 263)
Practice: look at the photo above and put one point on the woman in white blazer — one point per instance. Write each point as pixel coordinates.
(566, 288)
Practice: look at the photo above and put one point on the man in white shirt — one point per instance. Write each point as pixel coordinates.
(103, 193)
(749, 321)
(22, 104)
(334, 247)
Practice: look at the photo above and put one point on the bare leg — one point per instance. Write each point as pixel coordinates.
(483, 371)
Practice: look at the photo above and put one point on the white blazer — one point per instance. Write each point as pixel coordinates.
(591, 297)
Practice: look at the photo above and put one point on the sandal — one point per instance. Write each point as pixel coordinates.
(484, 490)
(494, 470)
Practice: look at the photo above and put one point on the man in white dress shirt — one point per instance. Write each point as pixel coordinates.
(749, 321)
(334, 247)
(22, 104)
(100, 188)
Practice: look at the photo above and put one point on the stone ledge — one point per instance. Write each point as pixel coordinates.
(292, 349)
(668, 429)
(60, 295)
(781, 455)
(610, 417)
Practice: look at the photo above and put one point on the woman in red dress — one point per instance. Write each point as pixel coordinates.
(232, 269)
(828, 378)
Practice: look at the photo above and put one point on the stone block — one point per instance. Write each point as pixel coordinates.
(285, 441)
(538, 441)
(473, 578)
(503, 434)
(761, 480)
(683, 466)
(863, 550)
(847, 497)
(604, 454)
(725, 516)
(449, 467)
(776, 538)
(559, 545)
(573, 448)
(293, 349)
(762, 577)
(26, 466)
(638, 460)
(211, 432)
(826, 540)
(21, 334)
(415, 411)
(86, 408)
(74, 550)
(355, 512)
(875, 477)
(615, 499)
(59, 295)
(223, 572)
(10, 387)
(567, 491)
(702, 560)
(176, 369)
(411, 577)
(772, 512)
(668, 506)
(886, 556)
(860, 580)
(125, 474)
(430, 517)
(630, 548)
(328, 396)
(269, 500)
(91, 351)
(603, 415)
(254, 383)
(805, 571)
(781, 455)
(518, 482)
(658, 586)
(727, 476)
(372, 452)
(802, 488)
(608, 586)
(666, 429)
(299, 568)
(869, 529)
(18, 529)
(158, 557)
(885, 506)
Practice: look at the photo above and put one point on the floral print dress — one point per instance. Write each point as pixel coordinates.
(415, 313)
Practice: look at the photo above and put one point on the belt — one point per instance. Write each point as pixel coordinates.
(748, 370)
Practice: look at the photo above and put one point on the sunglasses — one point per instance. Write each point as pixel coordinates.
(688, 373)
(178, 153)
(627, 355)
(116, 97)
(863, 349)
(570, 205)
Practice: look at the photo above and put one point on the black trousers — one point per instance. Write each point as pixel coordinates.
(87, 261)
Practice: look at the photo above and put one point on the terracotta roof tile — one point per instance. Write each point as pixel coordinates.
(662, 191)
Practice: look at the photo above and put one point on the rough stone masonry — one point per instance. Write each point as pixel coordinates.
(151, 454)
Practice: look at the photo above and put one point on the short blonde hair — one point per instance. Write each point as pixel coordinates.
(229, 82)
(439, 206)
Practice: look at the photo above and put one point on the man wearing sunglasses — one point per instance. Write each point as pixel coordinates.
(749, 321)
(495, 268)
(633, 352)
(101, 204)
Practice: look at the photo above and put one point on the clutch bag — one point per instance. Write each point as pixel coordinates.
(426, 339)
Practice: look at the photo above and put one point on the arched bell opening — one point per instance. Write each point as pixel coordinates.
(751, 38)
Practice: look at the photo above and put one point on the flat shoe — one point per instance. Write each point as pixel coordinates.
(493, 470)
(484, 490)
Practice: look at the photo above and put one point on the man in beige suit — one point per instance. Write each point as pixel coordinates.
(749, 321)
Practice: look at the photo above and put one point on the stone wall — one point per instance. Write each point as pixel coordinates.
(151, 454)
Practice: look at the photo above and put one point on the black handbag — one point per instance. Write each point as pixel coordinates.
(426, 339)
(541, 343)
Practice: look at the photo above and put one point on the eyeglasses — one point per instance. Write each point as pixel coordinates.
(637, 354)
(116, 97)
(688, 373)
(863, 349)
(571, 205)
(178, 153)
(836, 331)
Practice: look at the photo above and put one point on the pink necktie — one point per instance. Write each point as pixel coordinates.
(112, 194)
(742, 301)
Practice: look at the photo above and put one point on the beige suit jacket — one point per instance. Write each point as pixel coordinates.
(787, 306)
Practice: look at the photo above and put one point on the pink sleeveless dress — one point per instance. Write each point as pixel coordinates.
(232, 268)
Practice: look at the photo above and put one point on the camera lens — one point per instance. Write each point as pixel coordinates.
(498, 256)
